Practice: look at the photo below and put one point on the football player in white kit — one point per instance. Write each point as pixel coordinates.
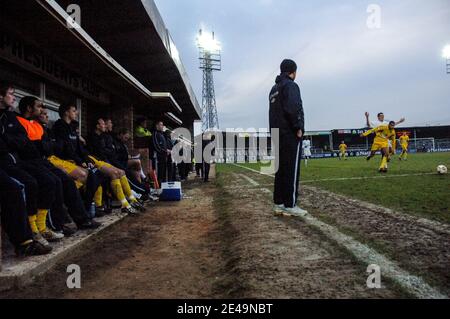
(307, 150)
(381, 120)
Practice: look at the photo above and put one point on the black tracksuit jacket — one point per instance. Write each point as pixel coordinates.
(286, 106)
(16, 138)
(69, 145)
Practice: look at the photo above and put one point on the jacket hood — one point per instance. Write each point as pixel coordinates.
(283, 77)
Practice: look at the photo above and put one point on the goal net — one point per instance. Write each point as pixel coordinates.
(420, 145)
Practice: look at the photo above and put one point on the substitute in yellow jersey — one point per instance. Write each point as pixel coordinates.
(384, 134)
(404, 143)
(343, 151)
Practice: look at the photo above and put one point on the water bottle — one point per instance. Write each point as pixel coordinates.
(92, 211)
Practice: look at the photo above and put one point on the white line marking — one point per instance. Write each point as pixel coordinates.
(414, 284)
(248, 179)
(343, 178)
(365, 177)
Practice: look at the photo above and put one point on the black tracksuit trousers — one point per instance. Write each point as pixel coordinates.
(206, 169)
(13, 211)
(288, 176)
(66, 194)
(29, 182)
(161, 166)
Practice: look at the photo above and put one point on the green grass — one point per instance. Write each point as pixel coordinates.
(425, 196)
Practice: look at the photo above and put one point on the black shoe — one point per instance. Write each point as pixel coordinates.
(33, 249)
(90, 224)
(368, 158)
(68, 231)
(138, 206)
(100, 212)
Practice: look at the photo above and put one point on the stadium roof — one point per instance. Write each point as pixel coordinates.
(120, 45)
(134, 34)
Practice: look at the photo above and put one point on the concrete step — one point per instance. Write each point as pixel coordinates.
(19, 272)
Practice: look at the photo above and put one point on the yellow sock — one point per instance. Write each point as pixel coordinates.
(32, 222)
(41, 220)
(98, 197)
(79, 184)
(383, 163)
(118, 192)
(127, 189)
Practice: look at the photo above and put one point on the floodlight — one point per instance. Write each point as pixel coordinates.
(446, 52)
(207, 42)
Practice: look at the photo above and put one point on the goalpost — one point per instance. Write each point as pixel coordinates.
(424, 145)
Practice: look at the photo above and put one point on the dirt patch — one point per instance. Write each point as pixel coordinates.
(173, 251)
(284, 258)
(417, 247)
(420, 246)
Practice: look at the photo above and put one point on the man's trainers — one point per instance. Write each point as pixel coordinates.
(33, 249)
(295, 212)
(278, 210)
(41, 240)
(51, 236)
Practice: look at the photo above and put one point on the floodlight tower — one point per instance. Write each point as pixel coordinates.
(210, 61)
(446, 55)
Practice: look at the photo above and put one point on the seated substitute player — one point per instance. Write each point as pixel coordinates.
(384, 134)
(404, 143)
(26, 166)
(71, 149)
(120, 158)
(343, 151)
(100, 155)
(14, 216)
(133, 165)
(87, 181)
(31, 110)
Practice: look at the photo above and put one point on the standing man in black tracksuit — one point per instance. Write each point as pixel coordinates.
(286, 114)
(161, 152)
(171, 166)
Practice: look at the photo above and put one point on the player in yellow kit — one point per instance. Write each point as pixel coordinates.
(384, 134)
(404, 143)
(343, 151)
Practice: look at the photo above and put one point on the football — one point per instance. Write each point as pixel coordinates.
(442, 170)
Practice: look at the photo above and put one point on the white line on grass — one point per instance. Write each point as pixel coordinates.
(414, 284)
(342, 178)
(248, 179)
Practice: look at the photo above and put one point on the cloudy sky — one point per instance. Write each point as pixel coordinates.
(346, 67)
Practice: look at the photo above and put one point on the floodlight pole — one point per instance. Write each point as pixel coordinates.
(448, 65)
(210, 61)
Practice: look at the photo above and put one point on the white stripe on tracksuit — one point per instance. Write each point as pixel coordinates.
(296, 174)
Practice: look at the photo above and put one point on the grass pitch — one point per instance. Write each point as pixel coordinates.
(426, 195)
